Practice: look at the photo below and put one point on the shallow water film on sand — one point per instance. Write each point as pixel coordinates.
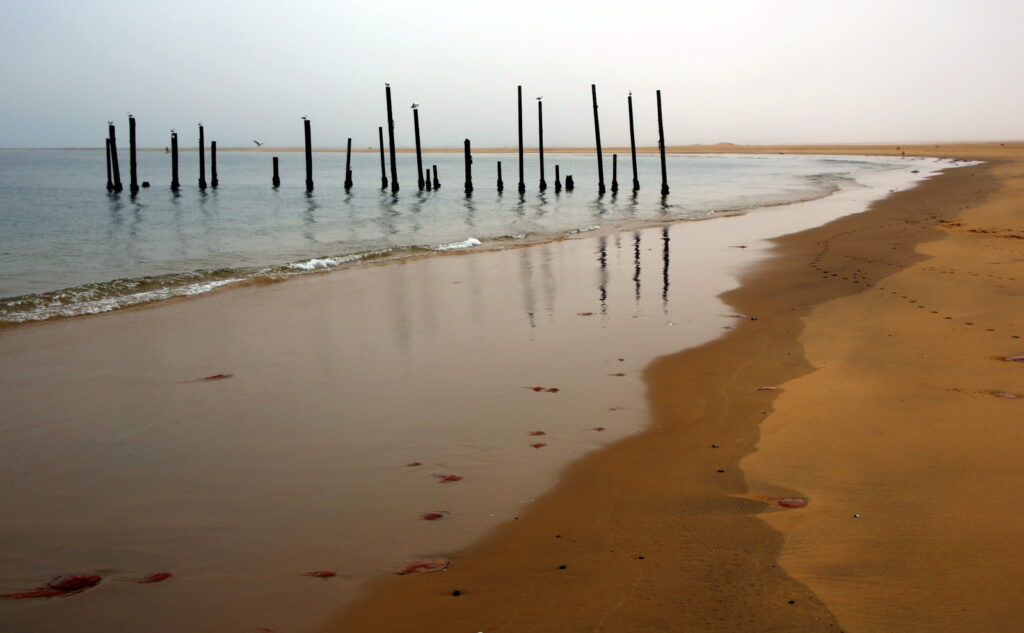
(67, 247)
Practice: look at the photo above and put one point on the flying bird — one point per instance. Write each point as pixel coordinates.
(258, 144)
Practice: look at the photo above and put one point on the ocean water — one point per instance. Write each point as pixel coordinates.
(68, 247)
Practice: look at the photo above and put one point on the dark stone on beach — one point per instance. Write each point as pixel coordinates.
(456, 593)
(720, 470)
(561, 566)
(792, 602)
(714, 446)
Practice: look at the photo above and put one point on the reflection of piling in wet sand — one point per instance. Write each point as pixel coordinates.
(469, 167)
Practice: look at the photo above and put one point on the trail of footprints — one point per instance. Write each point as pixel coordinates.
(859, 276)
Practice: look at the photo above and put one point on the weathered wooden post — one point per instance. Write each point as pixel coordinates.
(597, 136)
(309, 154)
(419, 157)
(469, 167)
(132, 163)
(391, 140)
(383, 172)
(569, 184)
(213, 165)
(426, 179)
(202, 159)
(540, 133)
(501, 183)
(632, 143)
(661, 149)
(615, 173)
(276, 182)
(558, 180)
(110, 182)
(522, 182)
(113, 157)
(437, 183)
(348, 165)
(175, 185)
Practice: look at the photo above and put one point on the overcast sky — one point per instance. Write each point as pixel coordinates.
(743, 71)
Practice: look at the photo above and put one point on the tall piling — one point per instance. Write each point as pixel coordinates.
(615, 173)
(419, 156)
(661, 149)
(501, 183)
(632, 144)
(558, 180)
(540, 145)
(309, 154)
(175, 185)
(276, 181)
(133, 166)
(202, 159)
(469, 167)
(383, 169)
(113, 157)
(522, 182)
(348, 165)
(437, 183)
(391, 140)
(213, 165)
(110, 181)
(597, 137)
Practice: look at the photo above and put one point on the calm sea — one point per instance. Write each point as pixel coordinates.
(69, 247)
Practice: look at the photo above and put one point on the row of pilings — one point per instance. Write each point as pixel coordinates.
(425, 179)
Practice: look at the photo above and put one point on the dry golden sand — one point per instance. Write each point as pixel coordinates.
(884, 332)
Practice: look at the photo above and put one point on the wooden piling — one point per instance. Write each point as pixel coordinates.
(213, 165)
(437, 183)
(426, 179)
(110, 182)
(558, 180)
(615, 173)
(391, 140)
(597, 137)
(632, 144)
(469, 167)
(661, 149)
(348, 165)
(175, 185)
(569, 184)
(309, 154)
(133, 170)
(501, 183)
(540, 133)
(276, 181)
(202, 159)
(383, 172)
(522, 182)
(113, 157)
(419, 157)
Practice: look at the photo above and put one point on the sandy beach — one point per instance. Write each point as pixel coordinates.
(869, 383)
(882, 337)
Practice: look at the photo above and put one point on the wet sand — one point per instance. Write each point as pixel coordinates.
(882, 332)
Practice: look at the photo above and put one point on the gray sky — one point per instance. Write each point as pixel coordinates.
(744, 71)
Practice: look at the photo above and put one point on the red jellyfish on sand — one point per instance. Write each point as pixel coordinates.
(59, 586)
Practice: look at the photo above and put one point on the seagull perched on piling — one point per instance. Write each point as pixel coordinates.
(414, 106)
(303, 118)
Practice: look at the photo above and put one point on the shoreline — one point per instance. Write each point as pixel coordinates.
(700, 547)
